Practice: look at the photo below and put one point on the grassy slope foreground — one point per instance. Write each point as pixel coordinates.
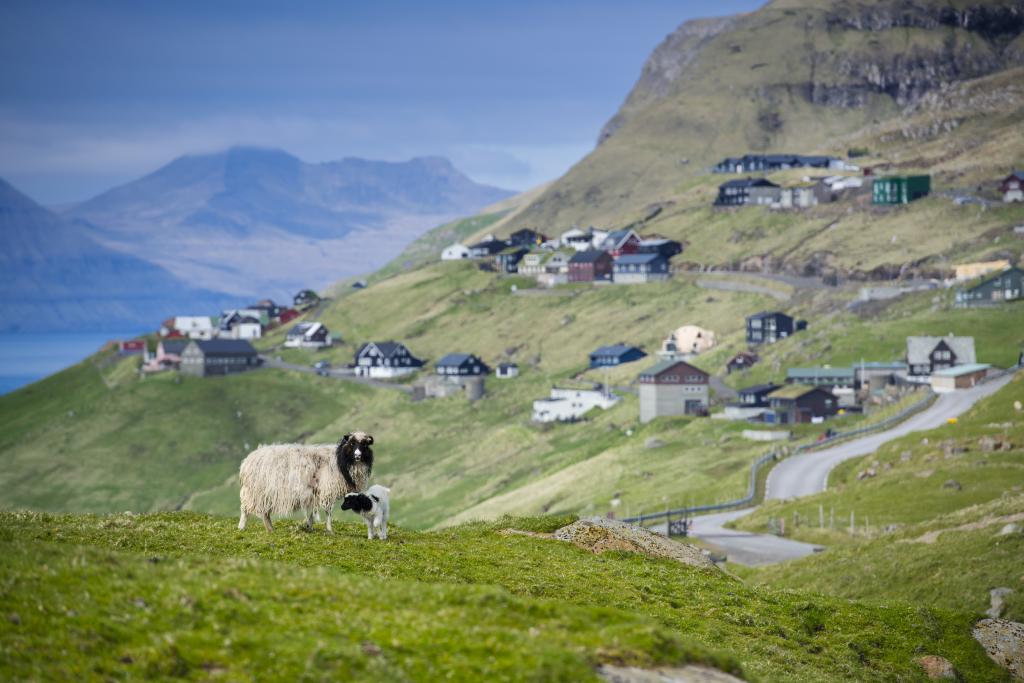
(917, 537)
(188, 596)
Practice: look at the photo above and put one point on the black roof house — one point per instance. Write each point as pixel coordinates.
(737, 192)
(768, 327)
(616, 354)
(756, 396)
(461, 364)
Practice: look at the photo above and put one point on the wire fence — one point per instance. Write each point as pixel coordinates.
(772, 456)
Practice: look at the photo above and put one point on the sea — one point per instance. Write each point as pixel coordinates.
(28, 357)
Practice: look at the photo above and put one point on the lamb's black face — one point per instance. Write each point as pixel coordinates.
(357, 502)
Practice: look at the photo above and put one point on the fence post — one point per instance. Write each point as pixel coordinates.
(821, 516)
(851, 523)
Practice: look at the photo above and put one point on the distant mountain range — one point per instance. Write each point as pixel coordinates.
(57, 278)
(252, 221)
(209, 231)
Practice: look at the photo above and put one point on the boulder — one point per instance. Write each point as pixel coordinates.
(1009, 529)
(683, 674)
(598, 534)
(953, 484)
(990, 444)
(653, 442)
(938, 668)
(1004, 643)
(997, 599)
(905, 456)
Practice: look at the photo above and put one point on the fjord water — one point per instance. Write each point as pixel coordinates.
(28, 357)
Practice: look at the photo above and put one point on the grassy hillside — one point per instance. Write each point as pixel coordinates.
(916, 537)
(95, 438)
(184, 595)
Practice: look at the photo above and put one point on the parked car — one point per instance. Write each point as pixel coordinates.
(322, 365)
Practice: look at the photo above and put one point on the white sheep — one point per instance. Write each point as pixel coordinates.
(282, 478)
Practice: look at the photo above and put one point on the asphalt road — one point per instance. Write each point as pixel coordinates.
(807, 474)
(334, 373)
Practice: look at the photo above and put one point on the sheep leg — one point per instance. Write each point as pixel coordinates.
(369, 530)
(241, 520)
(329, 513)
(266, 523)
(382, 531)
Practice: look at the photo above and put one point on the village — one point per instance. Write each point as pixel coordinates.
(678, 382)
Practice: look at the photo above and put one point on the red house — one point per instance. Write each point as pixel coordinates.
(288, 314)
(589, 266)
(130, 347)
(621, 242)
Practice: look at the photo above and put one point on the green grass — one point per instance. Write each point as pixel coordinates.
(179, 594)
(907, 500)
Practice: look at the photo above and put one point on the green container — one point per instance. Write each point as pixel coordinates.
(900, 189)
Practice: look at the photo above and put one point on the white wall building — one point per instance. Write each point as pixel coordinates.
(566, 405)
(455, 252)
(195, 326)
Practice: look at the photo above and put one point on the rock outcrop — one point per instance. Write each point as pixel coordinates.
(1004, 643)
(598, 535)
(683, 674)
(938, 668)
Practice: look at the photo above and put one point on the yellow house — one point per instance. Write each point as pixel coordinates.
(969, 271)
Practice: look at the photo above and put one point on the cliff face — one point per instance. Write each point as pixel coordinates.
(796, 74)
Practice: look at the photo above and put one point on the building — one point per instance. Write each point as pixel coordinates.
(240, 324)
(1012, 187)
(619, 242)
(265, 310)
(616, 354)
(288, 315)
(204, 358)
(631, 269)
(305, 299)
(751, 403)
(665, 247)
(874, 375)
(673, 387)
(925, 355)
(489, 246)
(580, 240)
(569, 405)
(533, 263)
(310, 335)
(798, 404)
(960, 377)
(969, 271)
(741, 361)
(775, 162)
(461, 365)
(506, 370)
(687, 340)
(591, 266)
(196, 326)
(553, 269)
(900, 189)
(803, 196)
(526, 238)
(507, 260)
(167, 356)
(132, 347)
(385, 360)
(830, 378)
(737, 192)
(998, 289)
(769, 327)
(456, 252)
(764, 195)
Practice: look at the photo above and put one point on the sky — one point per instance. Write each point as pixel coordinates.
(95, 94)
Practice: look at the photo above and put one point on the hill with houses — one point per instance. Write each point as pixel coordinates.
(627, 340)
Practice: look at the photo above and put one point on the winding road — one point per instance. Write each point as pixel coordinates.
(807, 474)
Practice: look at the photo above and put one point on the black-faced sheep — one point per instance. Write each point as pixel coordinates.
(282, 478)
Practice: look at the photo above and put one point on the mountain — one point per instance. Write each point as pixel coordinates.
(794, 76)
(253, 221)
(58, 278)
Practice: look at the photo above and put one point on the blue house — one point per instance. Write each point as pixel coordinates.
(617, 354)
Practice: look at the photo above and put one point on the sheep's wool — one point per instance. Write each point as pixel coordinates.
(281, 478)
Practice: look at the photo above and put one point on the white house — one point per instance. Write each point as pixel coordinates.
(240, 324)
(686, 341)
(506, 370)
(567, 405)
(195, 326)
(577, 239)
(455, 252)
(308, 336)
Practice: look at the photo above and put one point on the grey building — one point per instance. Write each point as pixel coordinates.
(218, 357)
(673, 387)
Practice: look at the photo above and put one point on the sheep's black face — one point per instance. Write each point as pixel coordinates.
(357, 502)
(353, 449)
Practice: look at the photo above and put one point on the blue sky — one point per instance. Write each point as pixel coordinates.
(95, 94)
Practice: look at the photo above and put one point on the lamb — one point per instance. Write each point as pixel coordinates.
(282, 478)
